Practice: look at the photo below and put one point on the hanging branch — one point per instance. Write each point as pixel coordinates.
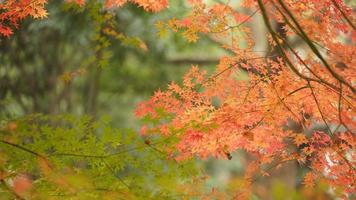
(280, 48)
(319, 109)
(314, 49)
(296, 54)
(343, 14)
(26, 150)
(339, 108)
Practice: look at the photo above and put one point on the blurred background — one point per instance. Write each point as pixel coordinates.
(66, 64)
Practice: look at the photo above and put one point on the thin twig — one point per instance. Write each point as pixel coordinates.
(114, 173)
(319, 109)
(28, 151)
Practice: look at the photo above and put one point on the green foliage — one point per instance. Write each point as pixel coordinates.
(80, 158)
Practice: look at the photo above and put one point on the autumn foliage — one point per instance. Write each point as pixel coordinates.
(213, 115)
(274, 112)
(13, 11)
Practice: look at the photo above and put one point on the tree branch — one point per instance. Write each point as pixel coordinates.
(313, 47)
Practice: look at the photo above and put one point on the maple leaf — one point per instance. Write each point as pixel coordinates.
(300, 139)
(5, 30)
(39, 13)
(152, 5)
(114, 3)
(308, 150)
(309, 179)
